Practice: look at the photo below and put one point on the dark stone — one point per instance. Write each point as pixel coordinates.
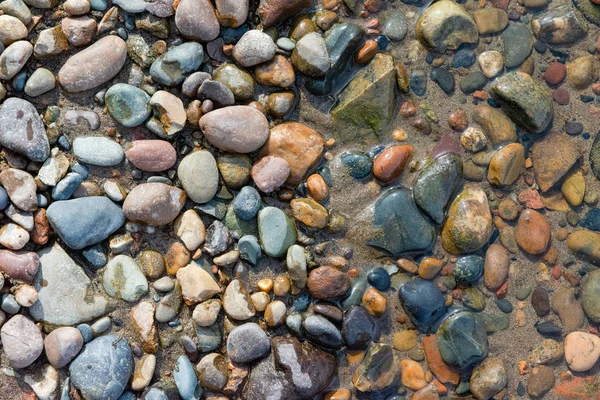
(423, 302)
(468, 269)
(504, 305)
(379, 279)
(378, 369)
(573, 128)
(322, 332)
(549, 329)
(436, 184)
(462, 340)
(444, 79)
(265, 382)
(360, 329)
(307, 368)
(518, 43)
(418, 82)
(342, 42)
(359, 164)
(399, 225)
(473, 81)
(464, 58)
(540, 301)
(592, 220)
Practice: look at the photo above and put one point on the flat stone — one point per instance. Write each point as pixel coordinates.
(50, 42)
(20, 187)
(13, 58)
(98, 150)
(103, 368)
(62, 345)
(553, 156)
(253, 48)
(462, 340)
(408, 231)
(518, 43)
(151, 155)
(360, 329)
(378, 369)
(85, 221)
(197, 285)
(22, 129)
(127, 104)
(199, 164)
(559, 25)
(277, 232)
(498, 128)
(171, 68)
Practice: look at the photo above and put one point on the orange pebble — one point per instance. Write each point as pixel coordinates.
(317, 188)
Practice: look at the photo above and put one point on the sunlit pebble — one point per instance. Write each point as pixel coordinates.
(399, 135)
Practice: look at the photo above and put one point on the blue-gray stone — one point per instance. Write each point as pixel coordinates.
(468, 269)
(360, 328)
(86, 332)
(518, 43)
(423, 302)
(80, 169)
(95, 255)
(186, 380)
(247, 342)
(276, 231)
(98, 5)
(9, 304)
(359, 164)
(462, 340)
(209, 338)
(247, 203)
(103, 368)
(98, 150)
(128, 396)
(395, 26)
(131, 6)
(249, 249)
(321, 331)
(127, 104)
(418, 82)
(4, 199)
(379, 279)
(358, 289)
(66, 186)
(171, 68)
(214, 208)
(22, 129)
(85, 221)
(399, 225)
(592, 220)
(42, 200)
(101, 326)
(156, 394)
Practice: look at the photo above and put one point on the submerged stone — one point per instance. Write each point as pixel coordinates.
(462, 340)
(399, 225)
(423, 302)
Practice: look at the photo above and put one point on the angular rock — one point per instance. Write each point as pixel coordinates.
(123, 278)
(446, 25)
(553, 156)
(377, 370)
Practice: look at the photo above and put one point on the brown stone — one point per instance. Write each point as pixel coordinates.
(154, 203)
(533, 232)
(142, 319)
(390, 163)
(41, 227)
(552, 157)
(495, 269)
(296, 143)
(277, 72)
(555, 73)
(328, 282)
(310, 213)
(274, 11)
(374, 302)
(21, 266)
(317, 188)
(443, 372)
(540, 381)
(506, 165)
(177, 257)
(412, 375)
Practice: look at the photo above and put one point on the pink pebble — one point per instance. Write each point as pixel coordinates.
(151, 155)
(270, 172)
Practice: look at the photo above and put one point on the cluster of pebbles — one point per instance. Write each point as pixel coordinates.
(299, 199)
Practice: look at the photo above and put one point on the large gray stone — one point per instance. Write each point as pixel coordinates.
(63, 291)
(22, 129)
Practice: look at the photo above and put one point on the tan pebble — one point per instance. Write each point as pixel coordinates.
(275, 313)
(430, 267)
(339, 394)
(405, 340)
(317, 188)
(281, 286)
(260, 301)
(581, 350)
(413, 375)
(374, 302)
(265, 285)
(407, 265)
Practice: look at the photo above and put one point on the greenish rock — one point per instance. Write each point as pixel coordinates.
(399, 225)
(524, 100)
(123, 278)
(436, 184)
(590, 287)
(342, 41)
(474, 299)
(523, 292)
(494, 322)
(595, 157)
(462, 340)
(276, 231)
(236, 79)
(139, 51)
(358, 164)
(171, 68)
(158, 27)
(518, 43)
(127, 104)
(446, 25)
(473, 81)
(310, 55)
(367, 104)
(239, 227)
(468, 269)
(589, 10)
(351, 4)
(215, 208)
(235, 169)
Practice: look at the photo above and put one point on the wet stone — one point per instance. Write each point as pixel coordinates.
(462, 340)
(360, 329)
(423, 302)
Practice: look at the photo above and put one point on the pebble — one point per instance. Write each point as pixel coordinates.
(434, 21)
(533, 232)
(186, 380)
(506, 165)
(462, 340)
(310, 56)
(22, 130)
(496, 267)
(14, 58)
(168, 114)
(171, 68)
(154, 204)
(581, 350)
(360, 329)
(378, 369)
(124, 279)
(581, 72)
(193, 165)
(246, 129)
(74, 77)
(20, 187)
(190, 229)
(196, 20)
(491, 63)
(127, 104)
(62, 345)
(322, 332)
(277, 72)
(253, 48)
(468, 269)
(247, 203)
(247, 343)
(21, 341)
(237, 303)
(423, 303)
(277, 232)
(67, 219)
(488, 378)
(555, 73)
(540, 381)
(40, 82)
(328, 282)
(518, 43)
(206, 313)
(13, 236)
(547, 352)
